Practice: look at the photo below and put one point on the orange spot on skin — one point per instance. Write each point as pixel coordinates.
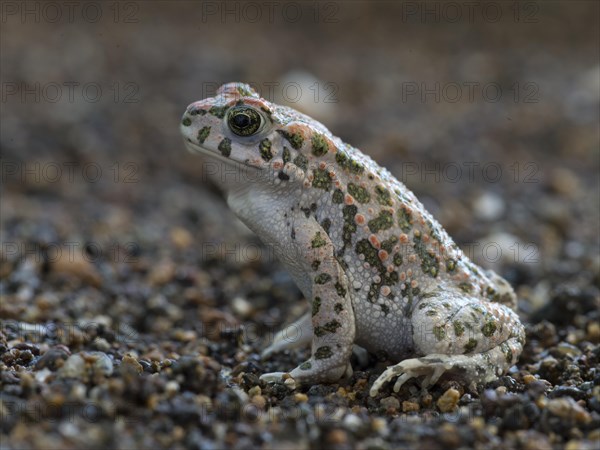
(371, 211)
(360, 219)
(402, 276)
(403, 238)
(412, 258)
(374, 241)
(390, 268)
(348, 199)
(385, 290)
(409, 273)
(322, 165)
(414, 284)
(277, 165)
(425, 238)
(383, 255)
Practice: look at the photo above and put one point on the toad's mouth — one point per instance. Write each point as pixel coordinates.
(195, 148)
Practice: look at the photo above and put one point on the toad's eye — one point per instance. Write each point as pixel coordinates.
(244, 120)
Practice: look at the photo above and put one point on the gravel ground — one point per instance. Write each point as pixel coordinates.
(135, 305)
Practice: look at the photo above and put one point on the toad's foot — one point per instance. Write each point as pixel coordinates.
(432, 367)
(273, 377)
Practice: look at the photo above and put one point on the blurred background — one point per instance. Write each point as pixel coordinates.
(488, 111)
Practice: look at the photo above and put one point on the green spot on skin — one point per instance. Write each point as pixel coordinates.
(295, 139)
(186, 122)
(329, 327)
(404, 220)
(326, 224)
(323, 353)
(319, 144)
(439, 332)
(265, 149)
(225, 147)
(371, 254)
(383, 196)
(301, 161)
(349, 211)
(305, 365)
(348, 163)
(286, 156)
(470, 346)
(341, 158)
(203, 134)
(459, 328)
(431, 312)
(316, 305)
(321, 179)
(383, 221)
(338, 308)
(315, 265)
(360, 194)
(322, 278)
(489, 328)
(218, 111)
(245, 91)
(466, 287)
(318, 240)
(388, 244)
(429, 261)
(492, 294)
(450, 265)
(397, 259)
(340, 289)
(337, 197)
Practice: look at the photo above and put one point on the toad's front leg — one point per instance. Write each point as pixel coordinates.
(331, 307)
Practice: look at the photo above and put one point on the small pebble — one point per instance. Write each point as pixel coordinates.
(337, 437)
(448, 401)
(390, 403)
(410, 406)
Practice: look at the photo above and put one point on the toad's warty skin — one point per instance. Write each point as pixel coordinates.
(378, 270)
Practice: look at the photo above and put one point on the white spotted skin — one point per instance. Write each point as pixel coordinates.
(378, 270)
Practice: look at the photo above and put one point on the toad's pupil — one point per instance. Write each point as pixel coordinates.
(241, 120)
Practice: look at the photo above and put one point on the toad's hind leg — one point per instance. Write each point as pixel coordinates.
(474, 340)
